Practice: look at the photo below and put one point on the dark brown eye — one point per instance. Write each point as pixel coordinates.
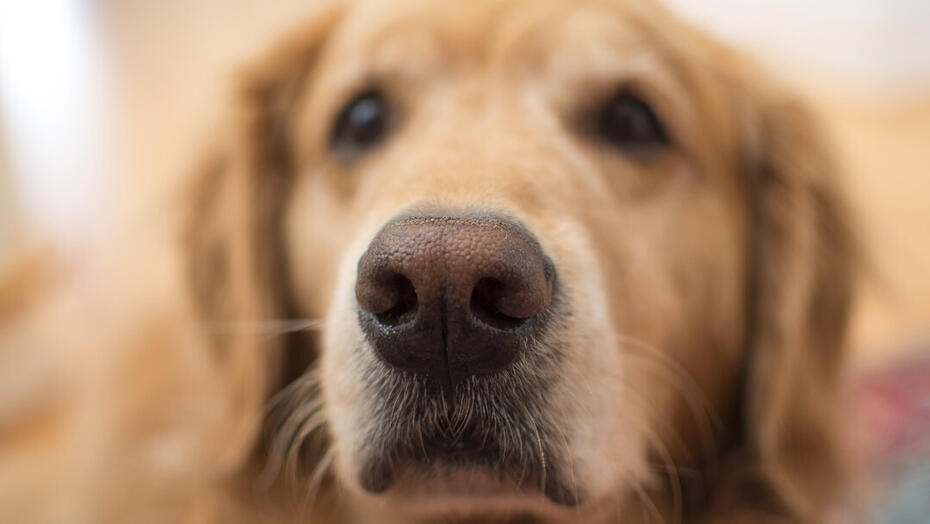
(361, 125)
(629, 123)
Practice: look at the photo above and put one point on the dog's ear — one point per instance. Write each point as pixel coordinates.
(802, 258)
(232, 235)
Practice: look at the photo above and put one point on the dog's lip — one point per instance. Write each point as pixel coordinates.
(379, 480)
(465, 450)
(441, 458)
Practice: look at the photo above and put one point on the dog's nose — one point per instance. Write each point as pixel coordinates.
(453, 297)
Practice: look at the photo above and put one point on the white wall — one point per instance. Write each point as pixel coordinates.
(9, 207)
(873, 45)
(53, 93)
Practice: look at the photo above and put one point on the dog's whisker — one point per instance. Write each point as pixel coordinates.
(679, 369)
(316, 482)
(306, 427)
(668, 465)
(288, 437)
(286, 426)
(572, 478)
(544, 467)
(649, 505)
(271, 327)
(297, 392)
(705, 416)
(663, 425)
(289, 421)
(674, 473)
(674, 479)
(700, 412)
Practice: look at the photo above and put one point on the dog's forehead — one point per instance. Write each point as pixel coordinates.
(485, 31)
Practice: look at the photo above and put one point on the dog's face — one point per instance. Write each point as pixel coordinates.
(559, 157)
(533, 233)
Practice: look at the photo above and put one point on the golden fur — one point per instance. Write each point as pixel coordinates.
(710, 286)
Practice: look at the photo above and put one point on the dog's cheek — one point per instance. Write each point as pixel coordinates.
(317, 224)
(602, 423)
(344, 357)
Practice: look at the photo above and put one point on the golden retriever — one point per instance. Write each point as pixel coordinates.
(504, 261)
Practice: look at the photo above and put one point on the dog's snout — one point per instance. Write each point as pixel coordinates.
(451, 296)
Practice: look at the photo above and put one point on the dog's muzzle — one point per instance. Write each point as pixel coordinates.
(460, 313)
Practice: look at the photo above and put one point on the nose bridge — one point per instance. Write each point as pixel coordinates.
(476, 148)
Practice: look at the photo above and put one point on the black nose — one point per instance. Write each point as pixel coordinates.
(453, 297)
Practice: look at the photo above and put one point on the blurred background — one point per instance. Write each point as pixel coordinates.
(102, 104)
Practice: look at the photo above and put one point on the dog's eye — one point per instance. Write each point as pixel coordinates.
(361, 124)
(628, 122)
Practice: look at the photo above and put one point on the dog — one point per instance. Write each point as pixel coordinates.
(506, 261)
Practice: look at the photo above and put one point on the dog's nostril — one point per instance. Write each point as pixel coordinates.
(388, 295)
(485, 304)
(405, 308)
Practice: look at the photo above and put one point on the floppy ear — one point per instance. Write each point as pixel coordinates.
(802, 263)
(232, 238)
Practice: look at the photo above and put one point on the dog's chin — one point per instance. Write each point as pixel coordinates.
(467, 475)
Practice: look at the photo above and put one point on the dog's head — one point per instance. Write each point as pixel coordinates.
(560, 253)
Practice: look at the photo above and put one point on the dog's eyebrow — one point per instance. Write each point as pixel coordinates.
(395, 55)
